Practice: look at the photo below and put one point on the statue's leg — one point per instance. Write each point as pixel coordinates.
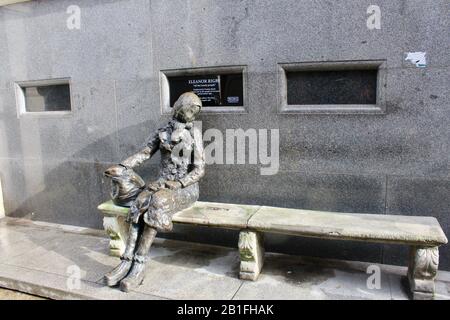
(137, 273)
(112, 278)
(157, 218)
(139, 206)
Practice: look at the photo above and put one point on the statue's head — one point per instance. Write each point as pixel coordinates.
(187, 107)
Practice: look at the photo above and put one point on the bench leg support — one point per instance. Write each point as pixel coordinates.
(117, 230)
(423, 266)
(251, 251)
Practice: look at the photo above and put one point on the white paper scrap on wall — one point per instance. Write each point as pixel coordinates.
(418, 58)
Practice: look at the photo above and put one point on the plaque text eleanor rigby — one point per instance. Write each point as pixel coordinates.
(215, 90)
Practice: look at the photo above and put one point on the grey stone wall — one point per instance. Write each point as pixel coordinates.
(394, 163)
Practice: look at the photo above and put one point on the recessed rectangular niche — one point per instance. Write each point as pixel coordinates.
(221, 89)
(43, 97)
(332, 87)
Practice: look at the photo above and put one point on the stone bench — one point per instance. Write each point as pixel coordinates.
(422, 234)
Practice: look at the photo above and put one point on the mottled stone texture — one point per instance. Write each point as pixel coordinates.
(251, 252)
(396, 163)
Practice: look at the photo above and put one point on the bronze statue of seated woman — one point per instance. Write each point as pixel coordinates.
(152, 205)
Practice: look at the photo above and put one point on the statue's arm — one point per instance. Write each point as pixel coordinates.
(137, 159)
(199, 161)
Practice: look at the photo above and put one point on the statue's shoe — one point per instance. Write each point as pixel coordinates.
(113, 277)
(134, 278)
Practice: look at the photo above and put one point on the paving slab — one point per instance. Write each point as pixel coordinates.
(176, 283)
(286, 277)
(59, 287)
(57, 256)
(6, 294)
(194, 272)
(399, 287)
(350, 226)
(354, 285)
(18, 240)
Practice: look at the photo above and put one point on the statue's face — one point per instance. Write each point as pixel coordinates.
(187, 112)
(187, 107)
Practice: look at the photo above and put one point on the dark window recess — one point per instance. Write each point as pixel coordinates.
(331, 87)
(224, 90)
(47, 98)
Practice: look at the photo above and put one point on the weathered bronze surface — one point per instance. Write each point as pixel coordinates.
(153, 205)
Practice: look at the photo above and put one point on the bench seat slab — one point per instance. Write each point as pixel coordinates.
(210, 214)
(213, 214)
(421, 231)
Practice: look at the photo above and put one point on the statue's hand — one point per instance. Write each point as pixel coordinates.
(115, 171)
(173, 185)
(166, 146)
